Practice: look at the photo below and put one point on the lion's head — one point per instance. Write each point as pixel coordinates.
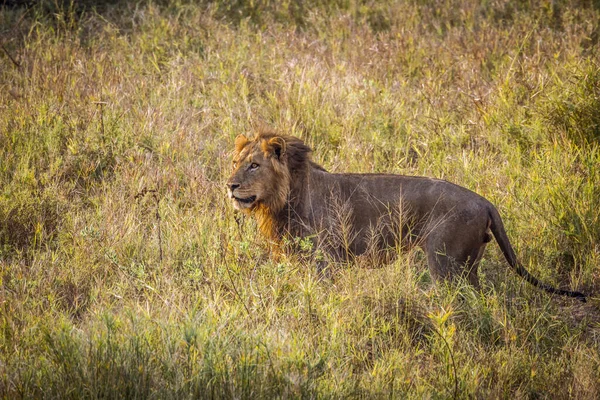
(262, 170)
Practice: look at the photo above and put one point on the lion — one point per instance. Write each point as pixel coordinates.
(291, 196)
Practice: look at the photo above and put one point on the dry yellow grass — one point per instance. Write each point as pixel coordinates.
(124, 272)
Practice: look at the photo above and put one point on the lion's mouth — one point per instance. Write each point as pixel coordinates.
(247, 200)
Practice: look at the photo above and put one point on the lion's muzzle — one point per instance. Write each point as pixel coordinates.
(240, 201)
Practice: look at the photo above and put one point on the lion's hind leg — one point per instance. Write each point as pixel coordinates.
(449, 259)
(471, 266)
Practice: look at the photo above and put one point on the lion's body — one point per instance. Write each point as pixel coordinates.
(351, 214)
(358, 213)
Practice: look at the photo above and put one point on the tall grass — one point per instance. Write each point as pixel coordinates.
(126, 273)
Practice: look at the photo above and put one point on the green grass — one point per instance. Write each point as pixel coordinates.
(125, 272)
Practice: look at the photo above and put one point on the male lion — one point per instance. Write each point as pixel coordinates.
(291, 196)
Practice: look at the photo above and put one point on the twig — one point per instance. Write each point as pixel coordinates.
(233, 285)
(10, 57)
(156, 198)
(235, 291)
(158, 226)
(101, 104)
(239, 222)
(455, 394)
(13, 33)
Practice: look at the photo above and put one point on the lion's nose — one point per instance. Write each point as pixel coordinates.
(233, 186)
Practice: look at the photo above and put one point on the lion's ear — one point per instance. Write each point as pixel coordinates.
(240, 142)
(274, 146)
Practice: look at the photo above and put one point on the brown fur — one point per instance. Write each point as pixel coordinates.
(275, 180)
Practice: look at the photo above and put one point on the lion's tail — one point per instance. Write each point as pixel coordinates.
(497, 228)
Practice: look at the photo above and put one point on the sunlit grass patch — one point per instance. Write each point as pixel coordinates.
(124, 272)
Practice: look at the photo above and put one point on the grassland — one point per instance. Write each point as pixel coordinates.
(125, 273)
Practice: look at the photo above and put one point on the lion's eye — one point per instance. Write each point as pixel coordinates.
(253, 166)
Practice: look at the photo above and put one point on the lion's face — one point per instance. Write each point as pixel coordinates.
(259, 174)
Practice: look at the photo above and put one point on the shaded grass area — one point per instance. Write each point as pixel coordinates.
(125, 272)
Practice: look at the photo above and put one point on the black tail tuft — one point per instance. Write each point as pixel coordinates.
(579, 296)
(497, 229)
